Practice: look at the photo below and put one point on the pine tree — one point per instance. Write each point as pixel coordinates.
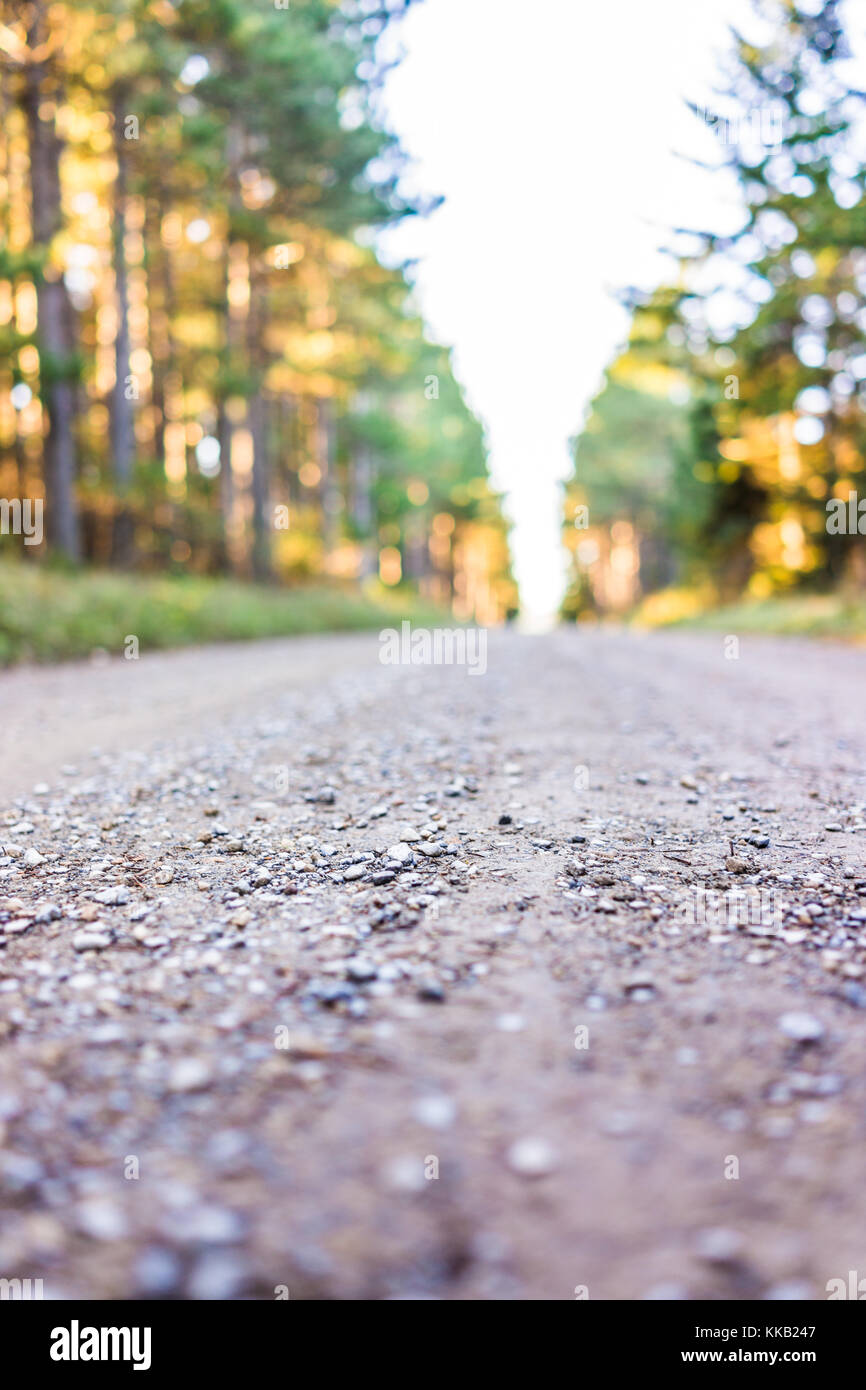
(37, 64)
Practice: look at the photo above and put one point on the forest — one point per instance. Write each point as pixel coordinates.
(205, 367)
(729, 433)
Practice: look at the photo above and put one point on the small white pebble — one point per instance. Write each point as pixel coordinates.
(801, 1027)
(511, 1023)
(717, 1245)
(404, 1174)
(101, 1220)
(437, 1112)
(531, 1158)
(189, 1074)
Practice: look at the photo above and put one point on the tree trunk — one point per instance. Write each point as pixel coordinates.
(363, 519)
(329, 491)
(232, 349)
(416, 551)
(56, 337)
(157, 312)
(122, 417)
(226, 488)
(261, 552)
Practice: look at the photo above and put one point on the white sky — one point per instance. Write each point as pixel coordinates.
(552, 129)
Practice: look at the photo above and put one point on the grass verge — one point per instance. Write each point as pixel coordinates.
(808, 615)
(48, 615)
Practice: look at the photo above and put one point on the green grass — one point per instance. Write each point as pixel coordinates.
(807, 615)
(49, 615)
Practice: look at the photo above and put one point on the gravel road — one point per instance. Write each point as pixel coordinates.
(326, 979)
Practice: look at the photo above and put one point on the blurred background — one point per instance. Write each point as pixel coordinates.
(225, 286)
(721, 462)
(206, 369)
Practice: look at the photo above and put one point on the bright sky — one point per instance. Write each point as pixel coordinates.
(553, 130)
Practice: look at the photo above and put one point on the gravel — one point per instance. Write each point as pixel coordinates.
(304, 962)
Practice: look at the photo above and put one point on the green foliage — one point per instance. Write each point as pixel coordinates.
(764, 330)
(807, 615)
(211, 137)
(49, 615)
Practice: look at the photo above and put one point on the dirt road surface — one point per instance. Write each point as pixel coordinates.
(321, 978)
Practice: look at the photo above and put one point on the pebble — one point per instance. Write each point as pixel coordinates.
(431, 990)
(204, 1223)
(91, 941)
(404, 1174)
(801, 1027)
(360, 968)
(113, 897)
(855, 994)
(189, 1074)
(406, 833)
(735, 865)
(21, 925)
(437, 1112)
(100, 1219)
(157, 1271)
(641, 983)
(510, 1023)
(532, 1158)
(19, 1172)
(217, 1275)
(718, 1245)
